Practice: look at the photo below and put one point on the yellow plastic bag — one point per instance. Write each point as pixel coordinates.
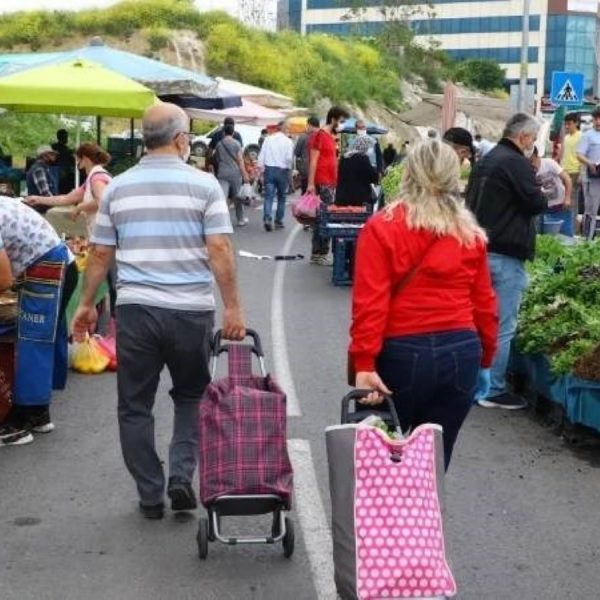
(88, 358)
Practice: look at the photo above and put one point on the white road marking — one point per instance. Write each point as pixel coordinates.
(281, 361)
(311, 514)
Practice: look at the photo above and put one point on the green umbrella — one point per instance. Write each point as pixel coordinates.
(77, 88)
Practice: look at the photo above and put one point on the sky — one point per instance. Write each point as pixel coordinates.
(12, 6)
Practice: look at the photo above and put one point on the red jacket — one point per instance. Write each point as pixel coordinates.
(451, 289)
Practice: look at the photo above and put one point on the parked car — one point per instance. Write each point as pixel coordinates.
(250, 136)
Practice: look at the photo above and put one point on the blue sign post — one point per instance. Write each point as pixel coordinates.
(567, 88)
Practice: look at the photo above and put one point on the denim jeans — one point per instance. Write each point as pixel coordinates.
(433, 379)
(509, 279)
(277, 180)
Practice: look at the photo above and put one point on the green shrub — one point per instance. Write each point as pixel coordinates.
(480, 73)
(345, 70)
(158, 38)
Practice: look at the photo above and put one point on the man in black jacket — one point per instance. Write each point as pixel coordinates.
(506, 198)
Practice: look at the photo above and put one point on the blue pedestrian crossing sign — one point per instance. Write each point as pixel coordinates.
(567, 88)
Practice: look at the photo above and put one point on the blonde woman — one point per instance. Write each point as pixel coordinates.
(424, 320)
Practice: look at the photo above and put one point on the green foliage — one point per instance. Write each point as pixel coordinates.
(560, 314)
(391, 182)
(158, 38)
(306, 68)
(480, 73)
(317, 66)
(21, 134)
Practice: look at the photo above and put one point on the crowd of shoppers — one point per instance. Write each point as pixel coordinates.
(438, 282)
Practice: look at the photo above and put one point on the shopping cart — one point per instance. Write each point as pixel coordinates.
(244, 466)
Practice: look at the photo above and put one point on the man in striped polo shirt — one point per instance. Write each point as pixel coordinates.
(169, 227)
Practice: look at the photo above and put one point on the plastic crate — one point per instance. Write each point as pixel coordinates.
(343, 261)
(330, 223)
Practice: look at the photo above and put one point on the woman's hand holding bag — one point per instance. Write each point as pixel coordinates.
(370, 380)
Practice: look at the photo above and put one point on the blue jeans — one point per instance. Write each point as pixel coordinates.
(276, 181)
(433, 379)
(509, 279)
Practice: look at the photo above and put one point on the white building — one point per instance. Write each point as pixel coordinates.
(562, 35)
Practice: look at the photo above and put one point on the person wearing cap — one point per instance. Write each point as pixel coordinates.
(275, 159)
(506, 198)
(588, 154)
(39, 178)
(461, 141)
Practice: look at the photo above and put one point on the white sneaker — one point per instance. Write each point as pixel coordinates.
(322, 260)
(243, 222)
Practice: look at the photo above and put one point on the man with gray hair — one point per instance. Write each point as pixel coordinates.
(169, 226)
(506, 199)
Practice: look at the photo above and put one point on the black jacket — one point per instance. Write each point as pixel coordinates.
(505, 197)
(356, 174)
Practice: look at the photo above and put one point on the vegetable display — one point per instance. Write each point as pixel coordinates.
(560, 313)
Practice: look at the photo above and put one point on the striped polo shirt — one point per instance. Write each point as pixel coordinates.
(157, 214)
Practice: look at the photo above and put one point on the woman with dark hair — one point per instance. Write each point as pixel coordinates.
(86, 198)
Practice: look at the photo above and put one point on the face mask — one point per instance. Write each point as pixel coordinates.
(361, 132)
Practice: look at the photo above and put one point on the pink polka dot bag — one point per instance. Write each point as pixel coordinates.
(388, 539)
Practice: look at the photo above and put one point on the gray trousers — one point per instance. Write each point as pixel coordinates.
(149, 338)
(591, 194)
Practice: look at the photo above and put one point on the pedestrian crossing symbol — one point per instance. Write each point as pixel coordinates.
(567, 93)
(567, 88)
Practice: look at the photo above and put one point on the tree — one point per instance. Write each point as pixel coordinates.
(480, 73)
(395, 32)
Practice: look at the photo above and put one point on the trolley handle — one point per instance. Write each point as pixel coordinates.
(357, 395)
(218, 347)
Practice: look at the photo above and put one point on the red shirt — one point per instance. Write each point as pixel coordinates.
(327, 163)
(451, 289)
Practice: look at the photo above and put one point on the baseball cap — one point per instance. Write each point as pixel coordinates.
(45, 149)
(459, 136)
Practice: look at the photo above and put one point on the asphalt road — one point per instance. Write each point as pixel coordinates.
(522, 507)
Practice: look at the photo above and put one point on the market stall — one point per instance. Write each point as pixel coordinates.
(76, 87)
(558, 340)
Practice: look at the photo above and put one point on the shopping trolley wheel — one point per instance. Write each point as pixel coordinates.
(288, 538)
(202, 538)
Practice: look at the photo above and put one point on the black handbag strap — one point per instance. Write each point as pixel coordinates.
(229, 151)
(403, 283)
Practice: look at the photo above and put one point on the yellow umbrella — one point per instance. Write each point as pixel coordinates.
(77, 88)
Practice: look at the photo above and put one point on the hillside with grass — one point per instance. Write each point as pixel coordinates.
(315, 70)
(352, 70)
